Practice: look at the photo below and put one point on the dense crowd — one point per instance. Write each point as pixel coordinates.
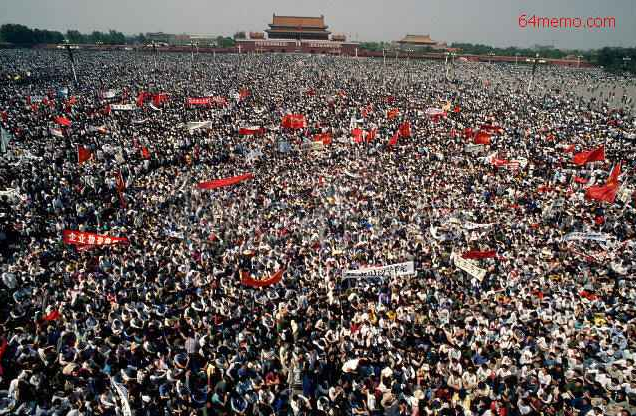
(164, 325)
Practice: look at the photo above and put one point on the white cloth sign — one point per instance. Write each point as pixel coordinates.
(469, 266)
(123, 107)
(398, 269)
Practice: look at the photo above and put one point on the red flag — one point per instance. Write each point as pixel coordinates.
(244, 93)
(580, 180)
(608, 191)
(159, 99)
(325, 138)
(595, 155)
(405, 129)
(63, 121)
(5, 116)
(569, 149)
(83, 154)
(475, 254)
(481, 138)
(457, 109)
(468, 132)
(247, 280)
(219, 183)
(357, 135)
(366, 110)
(81, 238)
(294, 121)
(393, 140)
(51, 316)
(371, 135)
(119, 181)
(142, 97)
(391, 114)
(145, 153)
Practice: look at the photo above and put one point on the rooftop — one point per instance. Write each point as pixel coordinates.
(421, 39)
(299, 22)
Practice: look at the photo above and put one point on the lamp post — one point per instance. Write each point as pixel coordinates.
(626, 59)
(578, 60)
(490, 55)
(516, 58)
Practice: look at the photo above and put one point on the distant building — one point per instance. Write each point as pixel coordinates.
(339, 38)
(420, 41)
(160, 37)
(205, 40)
(298, 27)
(257, 35)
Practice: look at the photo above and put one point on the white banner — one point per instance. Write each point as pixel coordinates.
(469, 266)
(195, 125)
(110, 94)
(123, 397)
(398, 269)
(625, 194)
(474, 148)
(600, 237)
(123, 107)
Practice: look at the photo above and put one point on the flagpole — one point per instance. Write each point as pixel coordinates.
(70, 57)
(534, 68)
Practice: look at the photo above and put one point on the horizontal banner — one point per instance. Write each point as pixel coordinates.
(91, 239)
(469, 266)
(123, 107)
(398, 269)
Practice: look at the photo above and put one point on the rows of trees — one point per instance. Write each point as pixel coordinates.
(22, 35)
(111, 37)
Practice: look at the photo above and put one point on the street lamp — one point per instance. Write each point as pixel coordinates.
(516, 58)
(490, 55)
(626, 59)
(578, 61)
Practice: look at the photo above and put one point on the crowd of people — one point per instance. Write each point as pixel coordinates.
(521, 302)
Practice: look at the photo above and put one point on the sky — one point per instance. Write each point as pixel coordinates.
(491, 22)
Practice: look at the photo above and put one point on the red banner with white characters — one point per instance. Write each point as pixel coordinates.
(247, 280)
(219, 183)
(82, 238)
(294, 121)
(220, 101)
(251, 131)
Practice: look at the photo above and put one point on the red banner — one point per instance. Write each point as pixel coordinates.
(90, 239)
(220, 101)
(595, 155)
(357, 135)
(247, 280)
(52, 316)
(490, 128)
(219, 183)
(294, 121)
(475, 254)
(145, 153)
(393, 140)
(244, 93)
(391, 114)
(251, 131)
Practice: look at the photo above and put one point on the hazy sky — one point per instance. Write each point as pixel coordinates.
(493, 22)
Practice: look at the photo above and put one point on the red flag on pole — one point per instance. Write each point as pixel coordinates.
(145, 153)
(63, 121)
(83, 154)
(595, 155)
(393, 140)
(405, 129)
(608, 191)
(391, 114)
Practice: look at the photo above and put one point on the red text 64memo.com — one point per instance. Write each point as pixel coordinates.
(543, 22)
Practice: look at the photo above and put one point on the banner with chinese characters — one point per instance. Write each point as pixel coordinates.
(398, 269)
(80, 238)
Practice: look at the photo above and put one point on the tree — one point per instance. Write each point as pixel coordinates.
(18, 34)
(225, 42)
(240, 35)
